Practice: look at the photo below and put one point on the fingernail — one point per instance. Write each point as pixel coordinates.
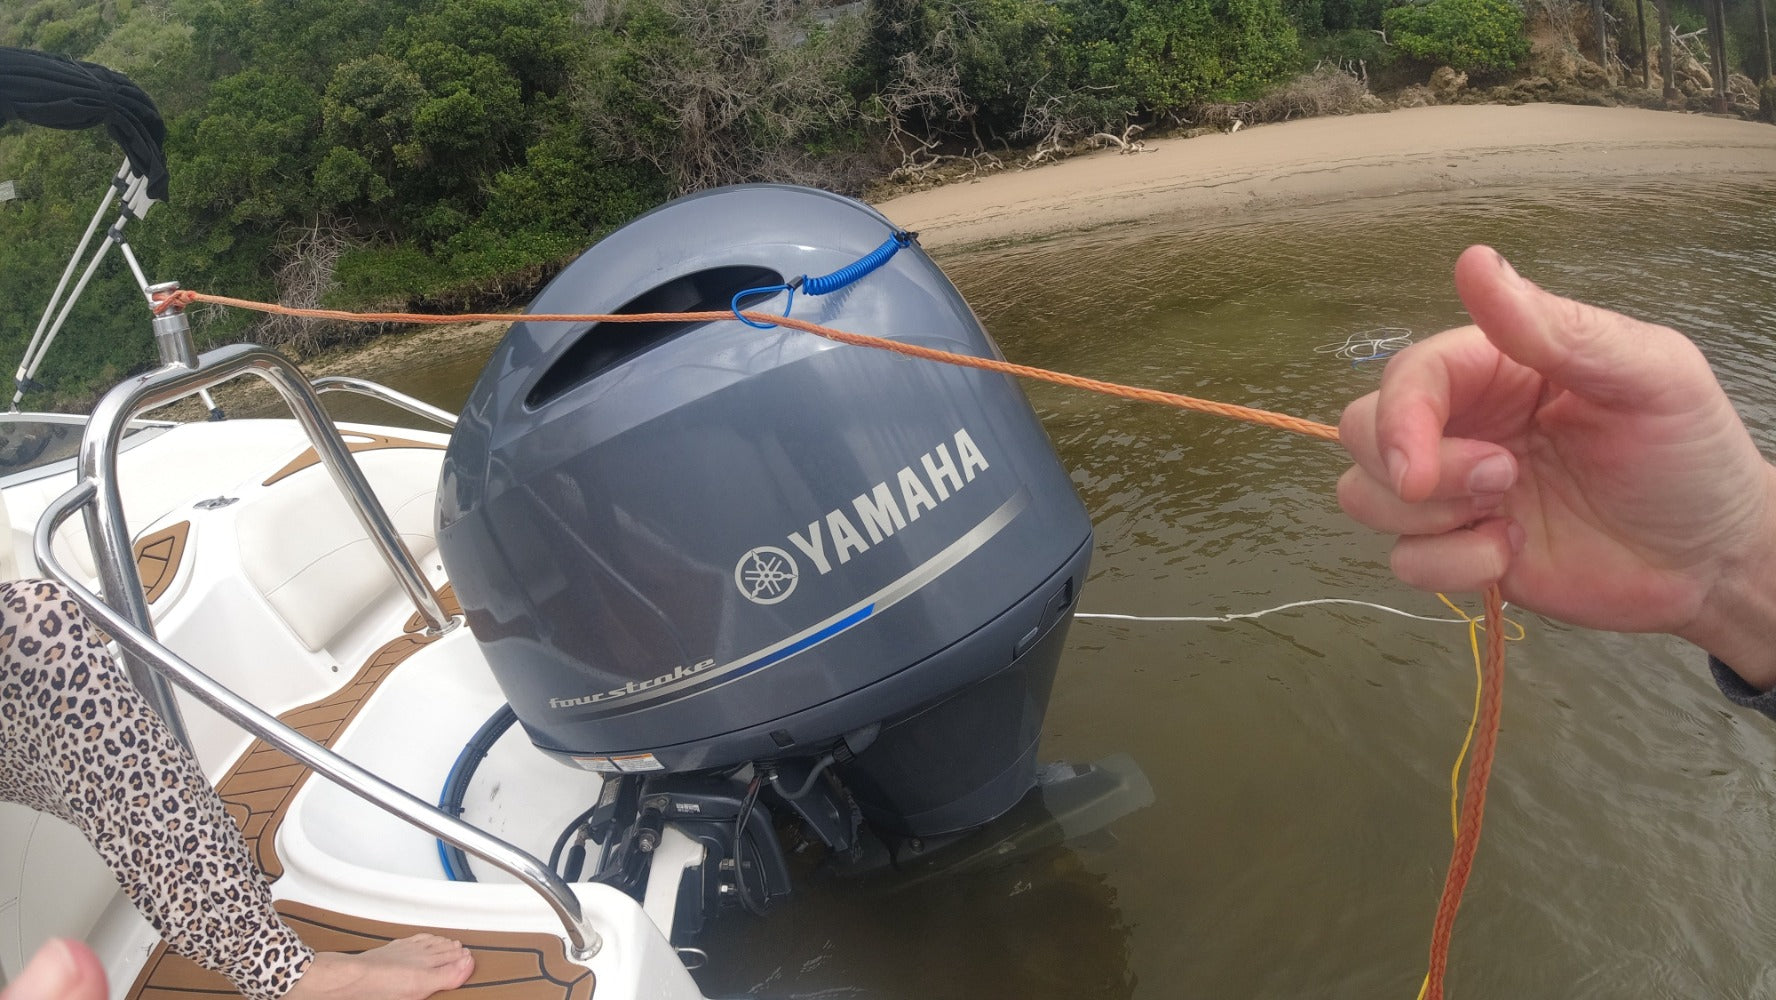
(1396, 468)
(1517, 536)
(1493, 474)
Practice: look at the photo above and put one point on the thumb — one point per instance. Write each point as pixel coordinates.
(1610, 359)
(61, 970)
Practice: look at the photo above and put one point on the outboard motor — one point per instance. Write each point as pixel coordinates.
(732, 566)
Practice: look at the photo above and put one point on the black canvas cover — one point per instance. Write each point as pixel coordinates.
(45, 89)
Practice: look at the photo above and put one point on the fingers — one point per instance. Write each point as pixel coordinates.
(1603, 356)
(1486, 381)
(1374, 504)
(1471, 558)
(61, 970)
(1576, 386)
(1446, 468)
(1450, 539)
(1431, 390)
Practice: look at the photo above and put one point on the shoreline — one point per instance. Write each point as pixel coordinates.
(1322, 161)
(1306, 163)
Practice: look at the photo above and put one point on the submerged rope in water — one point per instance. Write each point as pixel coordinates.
(1492, 684)
(1475, 625)
(1238, 616)
(1369, 345)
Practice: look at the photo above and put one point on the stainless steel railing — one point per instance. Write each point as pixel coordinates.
(137, 642)
(123, 612)
(362, 387)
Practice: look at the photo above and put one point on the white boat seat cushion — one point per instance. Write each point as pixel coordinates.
(147, 500)
(303, 548)
(209, 459)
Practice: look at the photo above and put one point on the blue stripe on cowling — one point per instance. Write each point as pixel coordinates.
(807, 642)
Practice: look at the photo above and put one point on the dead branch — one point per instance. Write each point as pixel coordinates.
(1050, 148)
(1125, 143)
(308, 258)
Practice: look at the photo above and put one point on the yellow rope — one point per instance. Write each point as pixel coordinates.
(1474, 627)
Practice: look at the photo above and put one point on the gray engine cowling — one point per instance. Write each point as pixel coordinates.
(685, 546)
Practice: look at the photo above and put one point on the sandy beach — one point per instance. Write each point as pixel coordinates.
(1326, 160)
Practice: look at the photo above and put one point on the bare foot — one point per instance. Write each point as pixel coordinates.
(409, 969)
(61, 970)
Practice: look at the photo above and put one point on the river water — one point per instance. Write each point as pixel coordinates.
(1300, 762)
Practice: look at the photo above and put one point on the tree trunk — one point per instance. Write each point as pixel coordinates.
(1665, 45)
(1717, 44)
(1646, 58)
(1763, 25)
(1602, 36)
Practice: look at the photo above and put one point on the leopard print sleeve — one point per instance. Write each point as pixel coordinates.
(78, 742)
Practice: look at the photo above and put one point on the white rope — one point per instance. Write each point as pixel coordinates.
(1369, 345)
(1246, 615)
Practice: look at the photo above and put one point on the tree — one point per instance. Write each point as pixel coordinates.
(155, 50)
(1667, 41)
(1169, 55)
(247, 155)
(720, 91)
(1469, 35)
(367, 117)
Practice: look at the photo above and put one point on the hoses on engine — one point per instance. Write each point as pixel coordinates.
(456, 786)
(740, 842)
(576, 858)
(825, 761)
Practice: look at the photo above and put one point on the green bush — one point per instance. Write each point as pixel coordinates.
(1350, 46)
(1470, 35)
(1011, 58)
(1343, 15)
(1170, 54)
(975, 71)
(388, 274)
(721, 91)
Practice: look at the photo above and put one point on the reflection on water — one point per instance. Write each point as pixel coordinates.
(1300, 762)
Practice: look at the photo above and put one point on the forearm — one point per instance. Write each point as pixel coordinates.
(1738, 622)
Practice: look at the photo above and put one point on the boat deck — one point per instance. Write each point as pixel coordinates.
(507, 966)
(258, 791)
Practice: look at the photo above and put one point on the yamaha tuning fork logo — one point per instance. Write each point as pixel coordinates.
(766, 575)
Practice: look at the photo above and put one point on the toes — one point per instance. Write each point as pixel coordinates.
(455, 972)
(429, 944)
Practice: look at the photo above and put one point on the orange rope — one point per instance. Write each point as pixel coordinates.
(1246, 413)
(1461, 860)
(1474, 793)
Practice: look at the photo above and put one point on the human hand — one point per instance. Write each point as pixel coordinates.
(61, 970)
(1587, 462)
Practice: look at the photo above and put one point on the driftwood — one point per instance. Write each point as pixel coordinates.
(1125, 143)
(1050, 147)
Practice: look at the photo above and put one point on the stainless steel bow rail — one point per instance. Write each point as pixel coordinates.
(152, 665)
(364, 387)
